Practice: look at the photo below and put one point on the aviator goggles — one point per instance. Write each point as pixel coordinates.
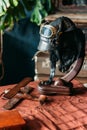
(47, 31)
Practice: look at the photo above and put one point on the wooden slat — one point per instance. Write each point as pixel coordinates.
(17, 98)
(80, 18)
(16, 88)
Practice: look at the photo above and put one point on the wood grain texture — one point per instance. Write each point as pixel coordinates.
(11, 120)
(60, 112)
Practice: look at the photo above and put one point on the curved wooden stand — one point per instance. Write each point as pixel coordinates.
(62, 85)
(74, 71)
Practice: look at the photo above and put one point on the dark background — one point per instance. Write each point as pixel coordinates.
(19, 46)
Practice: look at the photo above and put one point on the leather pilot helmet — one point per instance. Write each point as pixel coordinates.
(47, 33)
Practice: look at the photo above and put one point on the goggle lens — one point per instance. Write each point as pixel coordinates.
(46, 32)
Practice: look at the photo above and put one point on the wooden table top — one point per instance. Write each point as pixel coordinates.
(60, 113)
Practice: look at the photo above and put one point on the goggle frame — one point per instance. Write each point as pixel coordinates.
(53, 30)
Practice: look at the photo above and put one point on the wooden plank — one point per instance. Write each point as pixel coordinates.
(16, 88)
(80, 18)
(13, 122)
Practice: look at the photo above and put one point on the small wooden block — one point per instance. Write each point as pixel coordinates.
(57, 87)
(61, 90)
(11, 120)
